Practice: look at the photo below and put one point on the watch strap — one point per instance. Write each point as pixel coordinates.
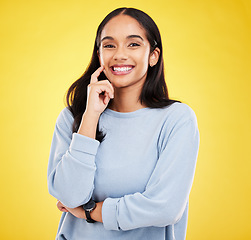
(88, 217)
(89, 207)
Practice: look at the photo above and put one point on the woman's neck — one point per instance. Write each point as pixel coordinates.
(126, 101)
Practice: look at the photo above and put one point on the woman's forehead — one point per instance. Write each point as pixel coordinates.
(123, 26)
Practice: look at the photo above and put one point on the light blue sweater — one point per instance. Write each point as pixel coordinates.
(143, 171)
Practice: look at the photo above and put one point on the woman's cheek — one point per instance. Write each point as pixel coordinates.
(101, 58)
(105, 72)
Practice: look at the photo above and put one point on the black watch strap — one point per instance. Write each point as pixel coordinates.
(88, 217)
(89, 207)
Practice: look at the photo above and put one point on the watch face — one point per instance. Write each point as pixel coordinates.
(89, 206)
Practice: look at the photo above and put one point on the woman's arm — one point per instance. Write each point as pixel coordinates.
(79, 212)
(166, 195)
(72, 166)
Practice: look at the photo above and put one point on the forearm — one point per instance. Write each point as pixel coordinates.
(79, 212)
(88, 125)
(96, 214)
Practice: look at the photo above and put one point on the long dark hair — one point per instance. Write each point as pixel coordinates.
(154, 92)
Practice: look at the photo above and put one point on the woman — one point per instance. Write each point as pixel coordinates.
(123, 154)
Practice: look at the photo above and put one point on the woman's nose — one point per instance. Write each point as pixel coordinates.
(120, 54)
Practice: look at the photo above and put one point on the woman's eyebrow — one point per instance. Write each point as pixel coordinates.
(128, 37)
(135, 36)
(107, 37)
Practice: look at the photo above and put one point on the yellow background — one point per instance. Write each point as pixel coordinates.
(46, 45)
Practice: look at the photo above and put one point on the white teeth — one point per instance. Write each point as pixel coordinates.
(121, 69)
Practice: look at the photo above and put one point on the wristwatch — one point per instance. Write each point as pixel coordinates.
(89, 207)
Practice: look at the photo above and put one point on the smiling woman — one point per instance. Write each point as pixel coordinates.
(123, 154)
(125, 54)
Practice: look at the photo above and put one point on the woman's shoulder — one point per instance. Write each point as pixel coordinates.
(179, 111)
(178, 116)
(65, 117)
(183, 109)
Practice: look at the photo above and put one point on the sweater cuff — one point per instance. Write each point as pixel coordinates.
(84, 144)
(109, 214)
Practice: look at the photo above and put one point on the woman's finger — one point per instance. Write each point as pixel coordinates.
(106, 98)
(61, 207)
(94, 77)
(105, 86)
(64, 210)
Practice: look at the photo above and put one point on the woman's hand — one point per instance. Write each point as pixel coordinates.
(61, 207)
(99, 93)
(98, 97)
(77, 212)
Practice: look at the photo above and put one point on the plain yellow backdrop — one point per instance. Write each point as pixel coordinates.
(46, 45)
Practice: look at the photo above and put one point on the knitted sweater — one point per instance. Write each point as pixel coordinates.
(143, 171)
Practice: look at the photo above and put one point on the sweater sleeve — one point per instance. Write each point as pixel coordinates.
(166, 194)
(71, 167)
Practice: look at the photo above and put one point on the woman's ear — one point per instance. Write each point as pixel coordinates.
(154, 57)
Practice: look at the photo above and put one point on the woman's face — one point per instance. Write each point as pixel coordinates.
(125, 52)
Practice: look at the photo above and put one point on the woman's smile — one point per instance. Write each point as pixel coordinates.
(121, 69)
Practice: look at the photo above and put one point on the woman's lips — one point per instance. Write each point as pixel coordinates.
(121, 69)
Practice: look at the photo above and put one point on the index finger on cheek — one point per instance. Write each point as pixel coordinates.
(94, 77)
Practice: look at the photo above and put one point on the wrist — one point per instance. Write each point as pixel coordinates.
(97, 213)
(91, 114)
(88, 125)
(82, 214)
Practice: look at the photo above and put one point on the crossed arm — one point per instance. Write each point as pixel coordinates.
(79, 212)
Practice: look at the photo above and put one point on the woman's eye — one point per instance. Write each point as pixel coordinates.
(134, 45)
(108, 46)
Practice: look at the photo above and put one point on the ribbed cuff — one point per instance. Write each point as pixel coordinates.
(84, 144)
(109, 214)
